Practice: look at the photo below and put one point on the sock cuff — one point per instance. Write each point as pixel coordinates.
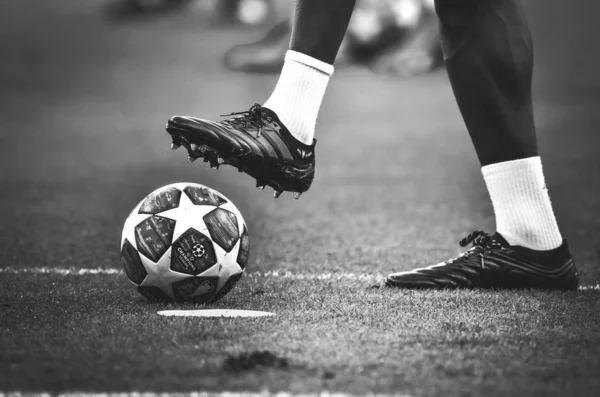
(512, 166)
(309, 61)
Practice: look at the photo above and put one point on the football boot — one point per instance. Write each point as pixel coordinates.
(492, 262)
(255, 142)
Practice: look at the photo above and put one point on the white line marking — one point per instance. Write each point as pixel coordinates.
(282, 274)
(334, 276)
(59, 271)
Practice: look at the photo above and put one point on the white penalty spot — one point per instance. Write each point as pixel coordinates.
(229, 313)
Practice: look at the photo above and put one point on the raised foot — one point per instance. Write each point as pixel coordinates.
(255, 142)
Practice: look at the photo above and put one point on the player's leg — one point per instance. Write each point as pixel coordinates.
(488, 54)
(275, 143)
(319, 27)
(489, 58)
(317, 32)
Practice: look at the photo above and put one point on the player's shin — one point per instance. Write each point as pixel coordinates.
(319, 27)
(317, 33)
(488, 54)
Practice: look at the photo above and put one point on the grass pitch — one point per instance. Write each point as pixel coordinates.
(93, 332)
(397, 185)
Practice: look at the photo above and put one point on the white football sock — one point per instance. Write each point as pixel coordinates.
(522, 206)
(298, 94)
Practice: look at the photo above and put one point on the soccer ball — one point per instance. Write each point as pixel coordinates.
(185, 242)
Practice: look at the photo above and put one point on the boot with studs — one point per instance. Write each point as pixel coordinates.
(255, 142)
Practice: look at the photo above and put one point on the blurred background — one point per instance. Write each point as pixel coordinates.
(87, 86)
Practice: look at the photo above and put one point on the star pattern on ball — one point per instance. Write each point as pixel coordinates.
(160, 274)
(188, 216)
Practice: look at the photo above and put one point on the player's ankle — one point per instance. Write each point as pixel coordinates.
(305, 139)
(298, 95)
(533, 241)
(301, 132)
(521, 203)
(549, 257)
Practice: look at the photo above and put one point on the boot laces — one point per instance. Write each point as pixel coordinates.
(252, 117)
(483, 244)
